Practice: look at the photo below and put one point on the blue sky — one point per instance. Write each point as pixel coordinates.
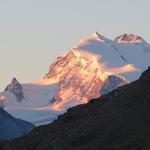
(34, 32)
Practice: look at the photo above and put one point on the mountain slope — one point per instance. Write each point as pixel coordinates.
(91, 62)
(126, 49)
(112, 82)
(84, 72)
(72, 79)
(80, 79)
(35, 95)
(15, 88)
(29, 108)
(118, 120)
(11, 127)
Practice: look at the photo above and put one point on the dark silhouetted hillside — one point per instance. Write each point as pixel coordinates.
(119, 120)
(11, 127)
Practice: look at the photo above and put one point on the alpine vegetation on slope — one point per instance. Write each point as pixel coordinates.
(11, 127)
(118, 120)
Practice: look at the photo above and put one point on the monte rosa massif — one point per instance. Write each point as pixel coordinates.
(94, 67)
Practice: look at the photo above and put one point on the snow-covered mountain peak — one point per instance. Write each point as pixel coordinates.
(14, 82)
(97, 36)
(94, 39)
(15, 88)
(84, 72)
(129, 38)
(80, 77)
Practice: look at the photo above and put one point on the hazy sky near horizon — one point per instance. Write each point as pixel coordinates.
(34, 32)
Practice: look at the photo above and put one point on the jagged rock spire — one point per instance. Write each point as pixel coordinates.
(15, 88)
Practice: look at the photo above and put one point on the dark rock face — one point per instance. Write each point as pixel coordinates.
(11, 127)
(15, 88)
(111, 83)
(129, 38)
(119, 120)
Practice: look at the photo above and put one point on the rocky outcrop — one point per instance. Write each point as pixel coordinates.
(128, 38)
(112, 82)
(15, 88)
(80, 79)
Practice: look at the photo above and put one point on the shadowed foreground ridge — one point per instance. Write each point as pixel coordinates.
(119, 120)
(11, 127)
